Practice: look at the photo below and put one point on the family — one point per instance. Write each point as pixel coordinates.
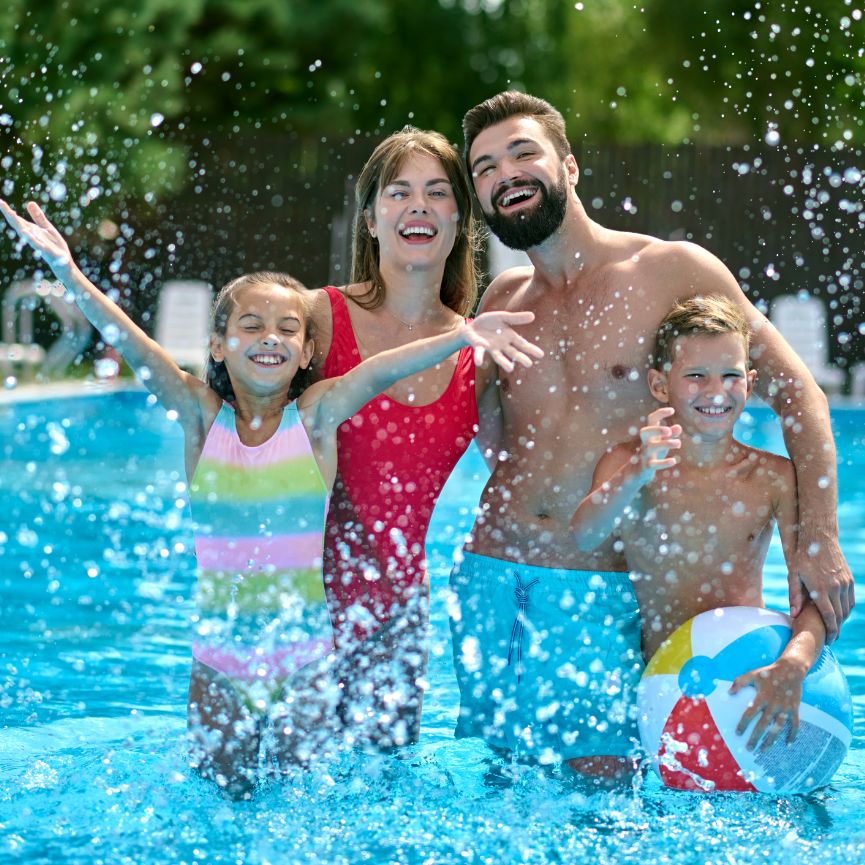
(601, 384)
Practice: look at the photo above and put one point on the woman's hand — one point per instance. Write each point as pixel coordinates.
(41, 235)
(492, 332)
(777, 700)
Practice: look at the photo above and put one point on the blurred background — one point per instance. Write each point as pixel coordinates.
(199, 139)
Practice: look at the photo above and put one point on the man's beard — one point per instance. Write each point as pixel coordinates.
(528, 228)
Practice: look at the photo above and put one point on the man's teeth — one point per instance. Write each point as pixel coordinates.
(418, 229)
(511, 197)
(270, 359)
(714, 409)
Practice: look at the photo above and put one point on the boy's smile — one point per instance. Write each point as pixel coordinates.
(708, 383)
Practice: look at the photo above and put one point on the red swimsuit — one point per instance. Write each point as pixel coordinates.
(393, 462)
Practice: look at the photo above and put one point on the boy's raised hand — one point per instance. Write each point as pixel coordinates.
(493, 332)
(657, 440)
(779, 694)
(41, 235)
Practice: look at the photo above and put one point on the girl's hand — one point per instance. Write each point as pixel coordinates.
(777, 700)
(657, 440)
(41, 235)
(492, 332)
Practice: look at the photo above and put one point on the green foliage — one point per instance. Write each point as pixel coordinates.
(793, 68)
(104, 100)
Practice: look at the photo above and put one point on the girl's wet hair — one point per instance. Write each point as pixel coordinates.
(696, 316)
(459, 289)
(216, 375)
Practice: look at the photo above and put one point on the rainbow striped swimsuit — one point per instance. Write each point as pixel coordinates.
(259, 526)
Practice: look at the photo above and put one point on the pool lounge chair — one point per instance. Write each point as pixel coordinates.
(183, 322)
(802, 322)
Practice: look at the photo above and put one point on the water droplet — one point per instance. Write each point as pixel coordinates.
(57, 191)
(57, 437)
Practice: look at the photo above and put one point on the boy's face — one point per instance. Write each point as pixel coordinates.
(708, 383)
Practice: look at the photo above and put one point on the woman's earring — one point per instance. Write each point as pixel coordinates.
(372, 232)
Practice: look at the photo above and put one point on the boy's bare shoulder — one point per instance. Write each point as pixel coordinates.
(768, 467)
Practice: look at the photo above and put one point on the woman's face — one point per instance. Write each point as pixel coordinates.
(415, 216)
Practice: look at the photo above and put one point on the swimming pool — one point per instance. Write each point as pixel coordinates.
(94, 645)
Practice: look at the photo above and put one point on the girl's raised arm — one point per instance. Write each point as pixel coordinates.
(175, 388)
(492, 332)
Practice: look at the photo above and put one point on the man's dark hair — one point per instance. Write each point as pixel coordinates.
(511, 103)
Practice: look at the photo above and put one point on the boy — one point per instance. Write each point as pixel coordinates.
(695, 527)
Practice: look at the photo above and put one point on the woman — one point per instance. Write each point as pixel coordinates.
(413, 276)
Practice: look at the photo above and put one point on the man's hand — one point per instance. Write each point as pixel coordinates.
(822, 571)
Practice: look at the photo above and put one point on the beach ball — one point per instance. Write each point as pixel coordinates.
(688, 718)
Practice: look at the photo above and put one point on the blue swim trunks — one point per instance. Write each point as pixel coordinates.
(547, 659)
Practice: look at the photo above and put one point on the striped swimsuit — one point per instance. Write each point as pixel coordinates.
(259, 523)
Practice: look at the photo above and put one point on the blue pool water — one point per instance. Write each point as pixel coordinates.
(95, 630)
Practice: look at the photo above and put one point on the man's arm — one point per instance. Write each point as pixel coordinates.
(788, 387)
(818, 565)
(490, 425)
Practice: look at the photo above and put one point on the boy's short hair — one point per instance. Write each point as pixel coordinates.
(512, 103)
(694, 316)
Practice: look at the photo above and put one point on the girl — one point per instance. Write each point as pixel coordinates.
(261, 458)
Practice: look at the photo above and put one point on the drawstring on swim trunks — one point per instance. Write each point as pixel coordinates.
(521, 596)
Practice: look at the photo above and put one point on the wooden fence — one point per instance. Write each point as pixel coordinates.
(783, 221)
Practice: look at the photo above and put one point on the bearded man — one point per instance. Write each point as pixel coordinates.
(546, 638)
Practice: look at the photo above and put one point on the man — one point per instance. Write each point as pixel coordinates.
(546, 638)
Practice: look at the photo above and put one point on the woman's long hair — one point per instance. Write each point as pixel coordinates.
(216, 375)
(459, 287)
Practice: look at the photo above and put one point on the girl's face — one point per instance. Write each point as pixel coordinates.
(415, 216)
(264, 343)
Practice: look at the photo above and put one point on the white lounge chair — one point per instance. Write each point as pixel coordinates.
(857, 380)
(802, 322)
(183, 322)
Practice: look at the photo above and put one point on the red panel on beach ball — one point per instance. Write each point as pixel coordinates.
(691, 724)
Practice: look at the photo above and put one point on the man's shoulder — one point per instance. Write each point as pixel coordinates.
(679, 267)
(665, 253)
(504, 286)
